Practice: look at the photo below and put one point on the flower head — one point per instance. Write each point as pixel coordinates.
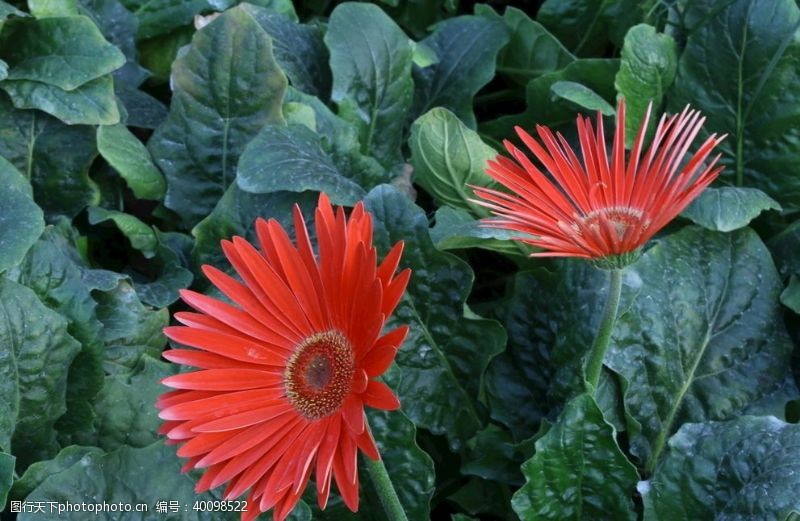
(286, 370)
(602, 207)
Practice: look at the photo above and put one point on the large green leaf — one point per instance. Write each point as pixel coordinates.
(33, 373)
(372, 85)
(54, 270)
(141, 236)
(125, 414)
(35, 143)
(705, 326)
(226, 87)
(466, 47)
(647, 69)
(290, 158)
(578, 471)
(449, 159)
(64, 52)
(440, 367)
(130, 329)
(551, 319)
(746, 468)
(546, 108)
(727, 208)
(131, 160)
(299, 50)
(740, 68)
(531, 50)
(97, 478)
(21, 220)
(581, 96)
(36, 473)
(92, 103)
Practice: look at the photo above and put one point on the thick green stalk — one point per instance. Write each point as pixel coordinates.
(383, 485)
(600, 345)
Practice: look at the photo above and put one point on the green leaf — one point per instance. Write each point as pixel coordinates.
(157, 17)
(480, 496)
(98, 478)
(746, 90)
(290, 158)
(35, 143)
(742, 469)
(467, 48)
(372, 86)
(167, 273)
(578, 470)
(144, 111)
(92, 103)
(647, 69)
(125, 411)
(546, 108)
(493, 455)
(235, 214)
(790, 297)
(456, 229)
(54, 270)
(157, 54)
(7, 462)
(7, 10)
(440, 367)
(730, 335)
(551, 319)
(298, 49)
(448, 158)
(65, 52)
(226, 87)
(582, 96)
(138, 233)
(21, 220)
(33, 373)
(131, 160)
(36, 473)
(728, 208)
(585, 26)
(130, 329)
(531, 50)
(410, 468)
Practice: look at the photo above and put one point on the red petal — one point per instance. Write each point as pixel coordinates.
(379, 396)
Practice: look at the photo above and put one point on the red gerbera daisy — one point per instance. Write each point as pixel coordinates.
(599, 207)
(285, 373)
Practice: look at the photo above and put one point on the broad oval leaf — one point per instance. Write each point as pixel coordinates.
(582, 96)
(226, 87)
(578, 471)
(728, 208)
(746, 468)
(65, 52)
(748, 89)
(448, 158)
(290, 158)
(647, 69)
(371, 63)
(705, 326)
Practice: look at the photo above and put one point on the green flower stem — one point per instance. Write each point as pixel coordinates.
(601, 340)
(383, 484)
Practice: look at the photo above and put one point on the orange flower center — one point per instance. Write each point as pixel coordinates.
(319, 374)
(620, 217)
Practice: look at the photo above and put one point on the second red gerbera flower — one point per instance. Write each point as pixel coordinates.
(600, 207)
(286, 372)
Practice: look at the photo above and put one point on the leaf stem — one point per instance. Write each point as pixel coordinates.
(600, 345)
(386, 492)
